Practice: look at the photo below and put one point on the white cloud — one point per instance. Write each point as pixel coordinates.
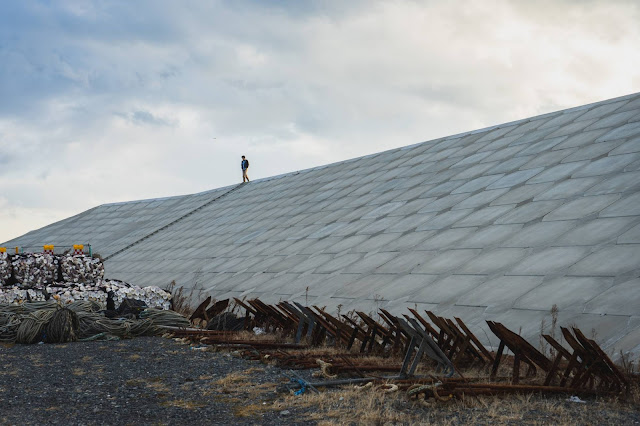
(103, 102)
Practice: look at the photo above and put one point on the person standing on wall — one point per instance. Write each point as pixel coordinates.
(244, 164)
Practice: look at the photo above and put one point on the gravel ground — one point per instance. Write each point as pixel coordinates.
(152, 380)
(147, 380)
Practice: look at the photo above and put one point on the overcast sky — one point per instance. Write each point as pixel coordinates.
(105, 101)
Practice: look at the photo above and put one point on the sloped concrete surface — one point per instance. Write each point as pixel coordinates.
(500, 223)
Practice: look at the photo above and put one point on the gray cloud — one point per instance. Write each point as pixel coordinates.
(129, 95)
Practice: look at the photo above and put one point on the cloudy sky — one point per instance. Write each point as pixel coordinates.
(105, 101)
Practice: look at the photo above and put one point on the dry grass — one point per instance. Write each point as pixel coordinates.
(78, 372)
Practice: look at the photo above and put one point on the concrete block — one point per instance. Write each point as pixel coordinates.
(581, 139)
(405, 263)
(601, 110)
(444, 220)
(411, 222)
(480, 199)
(534, 136)
(370, 262)
(501, 292)
(489, 236)
(561, 119)
(447, 290)
(621, 299)
(629, 205)
(405, 285)
(528, 212)
(443, 239)
(581, 207)
(557, 172)
(520, 194)
(547, 159)
(606, 165)
(596, 231)
(567, 293)
(365, 287)
(412, 207)
(572, 128)
(484, 216)
(627, 181)
(609, 261)
(613, 120)
(509, 165)
(443, 203)
(492, 261)
(568, 188)
(549, 261)
(446, 261)
(622, 132)
(515, 178)
(408, 241)
(632, 236)
(375, 243)
(593, 151)
(339, 262)
(477, 184)
(474, 171)
(383, 210)
(538, 147)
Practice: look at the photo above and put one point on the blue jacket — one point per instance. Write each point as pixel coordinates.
(244, 164)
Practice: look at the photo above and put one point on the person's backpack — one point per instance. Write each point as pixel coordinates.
(247, 161)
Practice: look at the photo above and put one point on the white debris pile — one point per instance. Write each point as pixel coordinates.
(5, 268)
(34, 269)
(81, 269)
(153, 296)
(10, 295)
(71, 292)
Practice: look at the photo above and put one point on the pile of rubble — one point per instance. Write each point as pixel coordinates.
(67, 278)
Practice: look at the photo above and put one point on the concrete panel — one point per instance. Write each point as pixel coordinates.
(629, 181)
(606, 165)
(515, 178)
(444, 220)
(406, 285)
(528, 212)
(582, 207)
(493, 261)
(405, 263)
(370, 262)
(622, 132)
(522, 193)
(627, 206)
(549, 261)
(595, 232)
(567, 293)
(568, 188)
(592, 151)
(411, 222)
(480, 199)
(501, 292)
(409, 241)
(609, 261)
(448, 290)
(628, 147)
(446, 238)
(484, 216)
(557, 172)
(446, 261)
(340, 262)
(623, 299)
(477, 184)
(630, 237)
(489, 236)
